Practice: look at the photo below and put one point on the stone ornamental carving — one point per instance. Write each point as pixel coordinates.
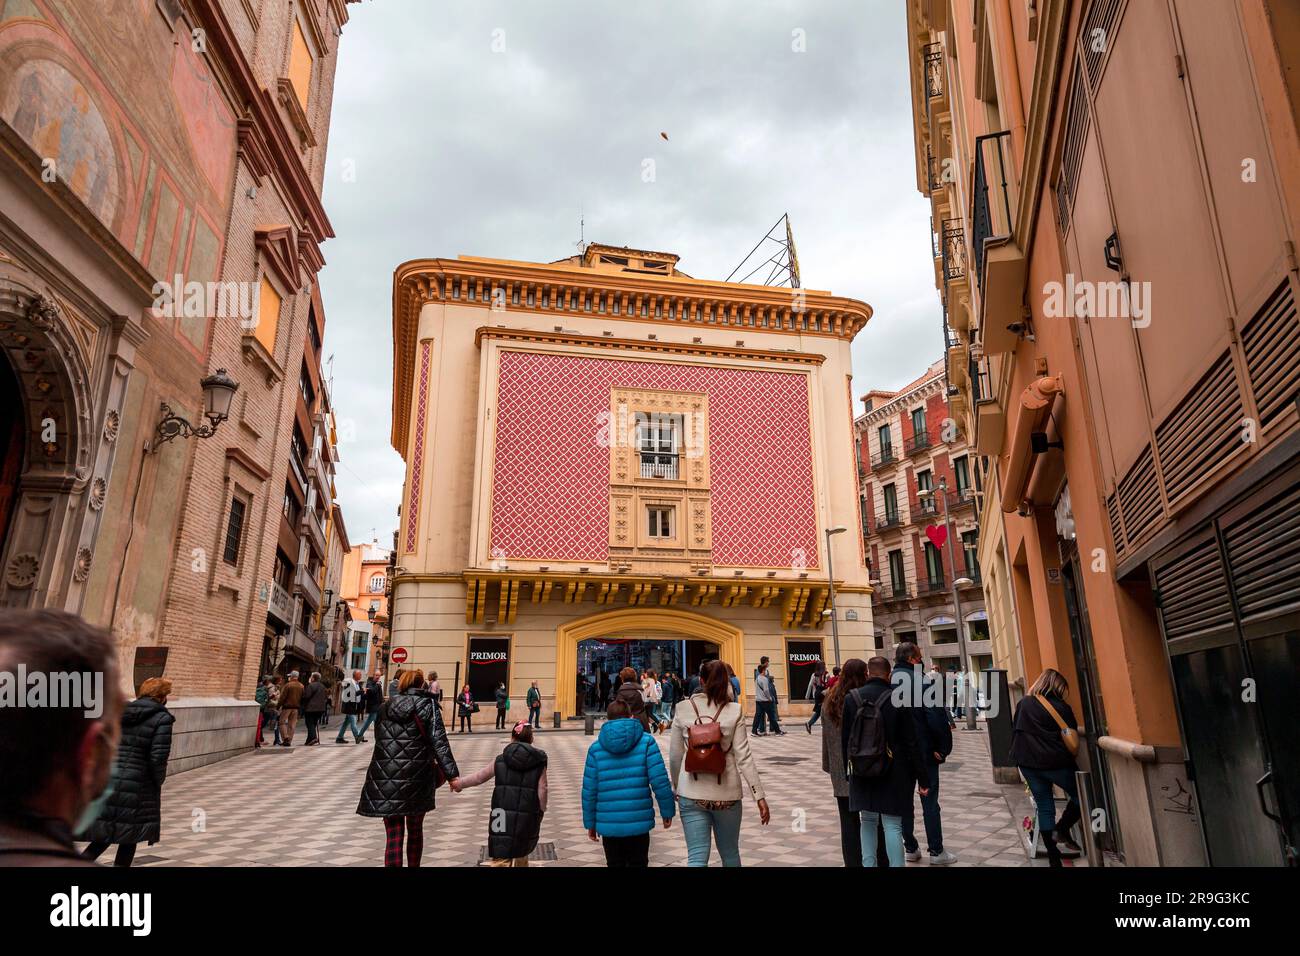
(81, 570)
(43, 313)
(98, 491)
(22, 570)
(112, 422)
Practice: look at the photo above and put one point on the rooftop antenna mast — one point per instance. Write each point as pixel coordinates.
(582, 232)
(775, 252)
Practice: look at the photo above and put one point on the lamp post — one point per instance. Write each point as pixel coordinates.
(830, 577)
(967, 679)
(218, 391)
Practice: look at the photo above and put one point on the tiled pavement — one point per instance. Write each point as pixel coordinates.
(297, 806)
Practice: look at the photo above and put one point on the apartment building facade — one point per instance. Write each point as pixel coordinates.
(1116, 194)
(366, 587)
(162, 163)
(919, 524)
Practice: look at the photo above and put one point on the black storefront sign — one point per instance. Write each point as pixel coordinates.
(801, 659)
(489, 665)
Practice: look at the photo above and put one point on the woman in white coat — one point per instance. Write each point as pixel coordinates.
(711, 803)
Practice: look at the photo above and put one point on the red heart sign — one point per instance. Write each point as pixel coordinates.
(937, 535)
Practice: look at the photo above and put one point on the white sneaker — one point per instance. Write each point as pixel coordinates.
(942, 859)
(914, 856)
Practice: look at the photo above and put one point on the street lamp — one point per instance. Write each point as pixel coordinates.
(956, 599)
(218, 392)
(830, 577)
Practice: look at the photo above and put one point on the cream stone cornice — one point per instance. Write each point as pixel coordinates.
(628, 296)
(895, 404)
(643, 345)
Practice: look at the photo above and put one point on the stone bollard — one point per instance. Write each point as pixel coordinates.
(589, 724)
(556, 717)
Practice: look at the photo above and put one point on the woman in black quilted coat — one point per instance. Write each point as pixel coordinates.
(411, 758)
(133, 812)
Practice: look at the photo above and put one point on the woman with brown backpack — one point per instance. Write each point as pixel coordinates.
(708, 758)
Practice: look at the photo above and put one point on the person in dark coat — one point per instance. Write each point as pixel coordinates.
(503, 704)
(315, 701)
(133, 813)
(410, 759)
(518, 800)
(629, 692)
(925, 702)
(1040, 752)
(465, 709)
(886, 798)
(855, 675)
(374, 702)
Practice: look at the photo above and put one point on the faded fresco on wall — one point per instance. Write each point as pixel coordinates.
(49, 108)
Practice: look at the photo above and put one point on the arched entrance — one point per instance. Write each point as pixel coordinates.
(729, 640)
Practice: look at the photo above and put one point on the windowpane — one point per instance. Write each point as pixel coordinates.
(234, 531)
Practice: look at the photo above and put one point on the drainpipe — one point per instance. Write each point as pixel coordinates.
(1012, 102)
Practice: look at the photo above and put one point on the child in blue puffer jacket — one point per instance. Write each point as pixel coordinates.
(623, 766)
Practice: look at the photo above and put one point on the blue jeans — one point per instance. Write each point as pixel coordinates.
(365, 725)
(724, 826)
(349, 722)
(893, 838)
(1040, 785)
(930, 812)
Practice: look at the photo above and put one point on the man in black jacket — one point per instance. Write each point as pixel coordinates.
(918, 694)
(886, 797)
(374, 701)
(314, 699)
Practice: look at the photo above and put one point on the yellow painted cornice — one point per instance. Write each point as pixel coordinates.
(468, 282)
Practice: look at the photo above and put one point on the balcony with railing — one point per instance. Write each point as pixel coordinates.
(883, 457)
(886, 520)
(961, 499)
(933, 59)
(917, 443)
(953, 247)
(661, 465)
(924, 509)
(894, 593)
(315, 528)
(972, 580)
(999, 262)
(307, 585)
(931, 586)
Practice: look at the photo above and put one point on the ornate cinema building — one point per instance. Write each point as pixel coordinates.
(610, 462)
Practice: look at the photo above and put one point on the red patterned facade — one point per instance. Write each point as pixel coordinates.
(551, 477)
(417, 457)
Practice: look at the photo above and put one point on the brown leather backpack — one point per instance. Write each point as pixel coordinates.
(704, 753)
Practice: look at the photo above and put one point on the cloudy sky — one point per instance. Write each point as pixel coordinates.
(490, 127)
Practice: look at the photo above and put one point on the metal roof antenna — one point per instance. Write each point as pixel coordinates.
(783, 260)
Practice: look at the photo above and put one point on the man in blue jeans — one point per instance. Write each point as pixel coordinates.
(916, 693)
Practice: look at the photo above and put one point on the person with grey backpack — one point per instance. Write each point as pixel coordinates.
(882, 758)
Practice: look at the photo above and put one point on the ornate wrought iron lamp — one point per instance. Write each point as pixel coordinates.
(218, 392)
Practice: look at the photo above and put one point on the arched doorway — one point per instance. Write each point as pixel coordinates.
(11, 445)
(728, 640)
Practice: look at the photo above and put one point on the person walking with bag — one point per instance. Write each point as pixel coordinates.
(132, 813)
(848, 679)
(629, 692)
(713, 769)
(624, 769)
(883, 760)
(1044, 743)
(410, 761)
(817, 694)
(465, 709)
(518, 799)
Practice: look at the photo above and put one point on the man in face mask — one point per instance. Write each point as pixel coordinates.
(56, 746)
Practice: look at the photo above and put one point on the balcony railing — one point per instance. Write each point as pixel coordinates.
(931, 586)
(895, 592)
(954, 250)
(931, 170)
(887, 520)
(992, 213)
(919, 442)
(884, 457)
(925, 508)
(975, 579)
(981, 389)
(933, 70)
(659, 465)
(961, 499)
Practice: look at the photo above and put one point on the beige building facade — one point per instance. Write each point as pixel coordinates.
(611, 463)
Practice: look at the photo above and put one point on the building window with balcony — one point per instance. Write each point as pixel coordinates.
(933, 567)
(961, 472)
(970, 554)
(658, 442)
(377, 584)
(891, 504)
(234, 530)
(920, 437)
(291, 510)
(298, 456)
(897, 576)
(660, 522)
(283, 573)
(886, 444)
(304, 386)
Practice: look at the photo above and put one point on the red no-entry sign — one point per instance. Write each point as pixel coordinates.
(399, 655)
